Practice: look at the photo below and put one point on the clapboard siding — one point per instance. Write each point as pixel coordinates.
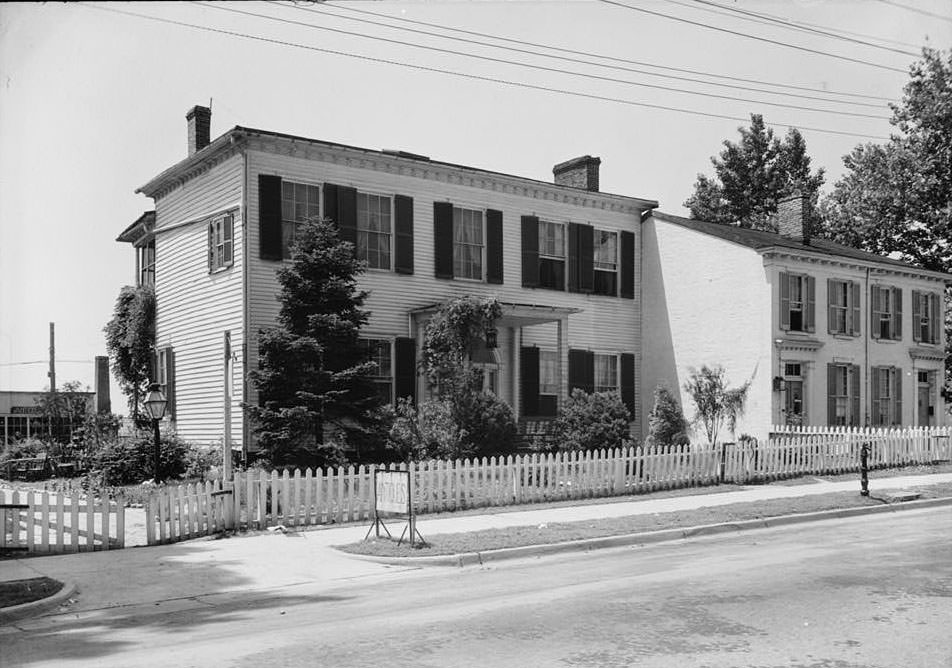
(195, 308)
(608, 324)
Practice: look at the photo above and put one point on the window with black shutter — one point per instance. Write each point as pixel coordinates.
(530, 251)
(494, 248)
(627, 275)
(269, 217)
(403, 247)
(443, 239)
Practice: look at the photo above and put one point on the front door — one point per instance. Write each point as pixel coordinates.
(924, 417)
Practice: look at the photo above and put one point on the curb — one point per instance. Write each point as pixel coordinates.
(17, 612)
(648, 538)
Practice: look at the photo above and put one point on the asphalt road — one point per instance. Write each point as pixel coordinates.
(870, 591)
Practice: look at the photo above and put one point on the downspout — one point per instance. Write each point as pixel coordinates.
(246, 309)
(869, 320)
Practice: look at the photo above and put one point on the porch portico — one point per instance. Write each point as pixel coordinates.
(503, 363)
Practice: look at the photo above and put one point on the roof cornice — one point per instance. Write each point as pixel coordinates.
(239, 139)
(819, 257)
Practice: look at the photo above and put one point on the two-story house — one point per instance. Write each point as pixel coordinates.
(561, 257)
(826, 334)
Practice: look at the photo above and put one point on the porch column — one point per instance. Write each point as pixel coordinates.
(516, 370)
(561, 339)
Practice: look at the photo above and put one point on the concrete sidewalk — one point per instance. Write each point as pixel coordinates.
(167, 577)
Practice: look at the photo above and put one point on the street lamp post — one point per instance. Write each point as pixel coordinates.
(155, 404)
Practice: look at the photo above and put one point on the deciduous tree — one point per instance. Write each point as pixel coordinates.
(716, 404)
(130, 341)
(752, 175)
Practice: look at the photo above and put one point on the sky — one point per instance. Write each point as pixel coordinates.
(93, 103)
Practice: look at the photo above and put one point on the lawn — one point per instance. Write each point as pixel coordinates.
(494, 539)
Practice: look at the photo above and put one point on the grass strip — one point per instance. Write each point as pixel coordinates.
(559, 532)
(18, 592)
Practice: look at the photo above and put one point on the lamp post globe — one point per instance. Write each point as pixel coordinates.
(155, 404)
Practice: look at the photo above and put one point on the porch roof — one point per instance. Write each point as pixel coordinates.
(516, 315)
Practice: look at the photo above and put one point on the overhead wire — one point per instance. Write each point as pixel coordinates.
(349, 8)
(322, 10)
(916, 10)
(464, 75)
(736, 33)
(543, 68)
(757, 17)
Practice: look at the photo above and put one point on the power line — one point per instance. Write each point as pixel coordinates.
(58, 360)
(762, 18)
(754, 37)
(463, 75)
(603, 56)
(323, 10)
(916, 10)
(542, 68)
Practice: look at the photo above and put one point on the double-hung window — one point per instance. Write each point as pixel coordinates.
(374, 230)
(606, 263)
(468, 243)
(220, 242)
(551, 255)
(147, 264)
(797, 302)
(382, 373)
(886, 309)
(925, 316)
(886, 399)
(606, 373)
(300, 202)
(843, 307)
(843, 395)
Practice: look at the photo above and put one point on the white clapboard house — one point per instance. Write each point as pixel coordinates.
(562, 257)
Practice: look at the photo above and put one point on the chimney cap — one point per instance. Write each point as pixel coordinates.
(196, 111)
(576, 162)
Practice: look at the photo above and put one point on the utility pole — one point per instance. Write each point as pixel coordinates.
(52, 371)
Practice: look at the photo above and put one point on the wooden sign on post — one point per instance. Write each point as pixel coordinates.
(393, 494)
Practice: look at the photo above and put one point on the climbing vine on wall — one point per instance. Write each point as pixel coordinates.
(450, 335)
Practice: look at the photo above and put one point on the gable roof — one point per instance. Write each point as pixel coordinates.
(760, 240)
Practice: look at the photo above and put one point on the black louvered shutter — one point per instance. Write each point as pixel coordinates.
(170, 381)
(586, 259)
(530, 251)
(403, 238)
(576, 369)
(854, 394)
(330, 202)
(896, 329)
(784, 279)
(810, 310)
(874, 382)
(572, 264)
(628, 382)
(529, 379)
(874, 313)
(916, 316)
(831, 394)
(404, 368)
(269, 217)
(347, 214)
(443, 239)
(897, 397)
(854, 302)
(494, 252)
(627, 276)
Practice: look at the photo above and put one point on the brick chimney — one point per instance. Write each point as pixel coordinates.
(579, 173)
(199, 128)
(793, 217)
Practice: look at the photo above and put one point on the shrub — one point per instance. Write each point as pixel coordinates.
(666, 422)
(486, 423)
(130, 460)
(24, 448)
(591, 421)
(427, 431)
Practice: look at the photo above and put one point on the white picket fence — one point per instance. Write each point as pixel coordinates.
(258, 499)
(52, 523)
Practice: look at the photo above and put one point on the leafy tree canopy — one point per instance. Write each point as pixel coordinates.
(316, 395)
(130, 341)
(752, 175)
(717, 404)
(896, 198)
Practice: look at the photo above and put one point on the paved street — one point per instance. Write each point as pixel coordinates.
(835, 593)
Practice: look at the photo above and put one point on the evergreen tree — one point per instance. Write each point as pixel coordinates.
(316, 395)
(666, 422)
(752, 175)
(130, 341)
